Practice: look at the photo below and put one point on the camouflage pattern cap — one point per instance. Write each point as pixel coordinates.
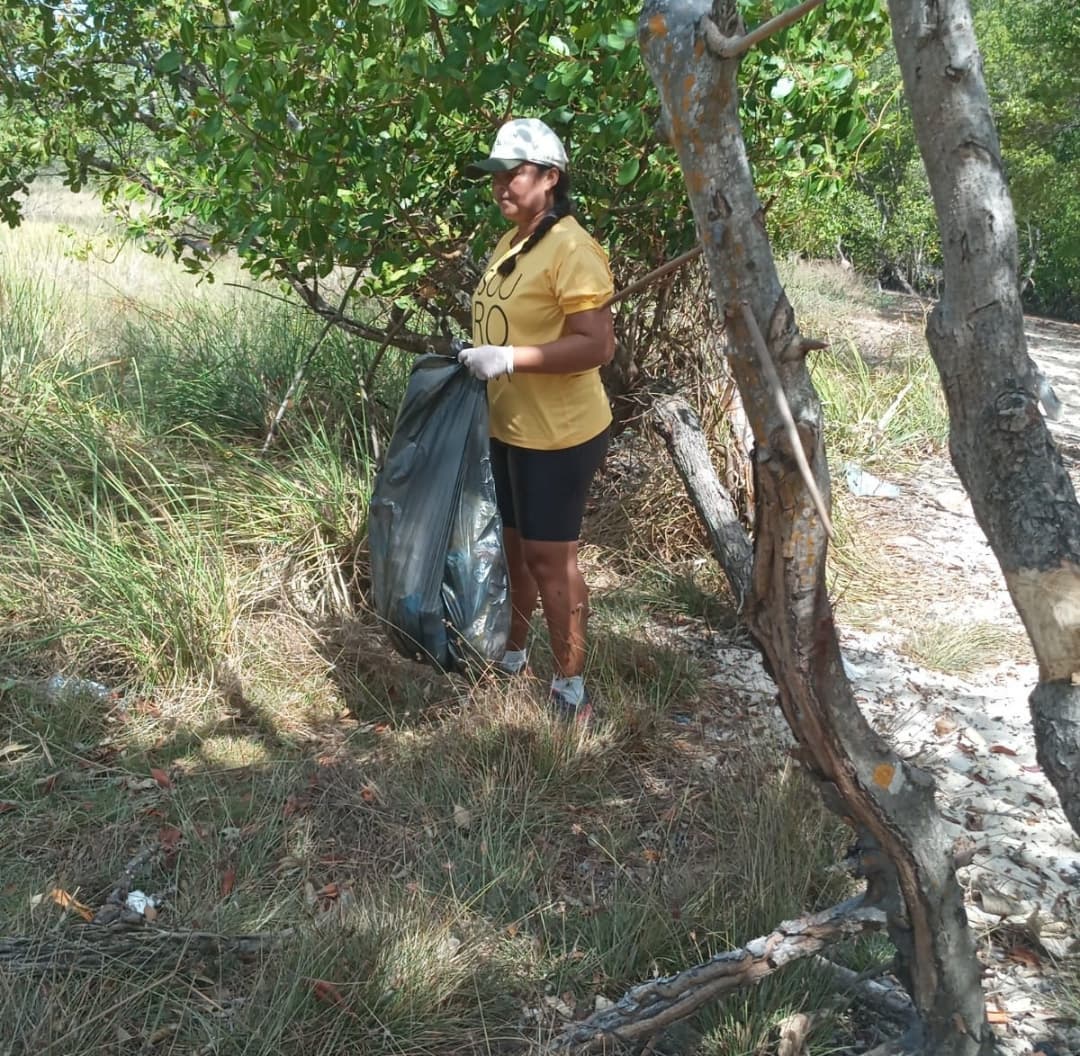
(523, 139)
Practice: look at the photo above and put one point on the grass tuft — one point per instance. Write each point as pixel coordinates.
(960, 649)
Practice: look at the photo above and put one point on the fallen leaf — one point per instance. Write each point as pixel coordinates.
(328, 891)
(462, 816)
(169, 836)
(327, 993)
(228, 882)
(1001, 749)
(1024, 955)
(651, 854)
(66, 901)
(161, 777)
(1037, 800)
(560, 1005)
(997, 1015)
(974, 775)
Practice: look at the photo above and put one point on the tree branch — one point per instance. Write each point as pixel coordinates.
(298, 377)
(725, 47)
(650, 1007)
(678, 423)
(772, 379)
(406, 340)
(657, 273)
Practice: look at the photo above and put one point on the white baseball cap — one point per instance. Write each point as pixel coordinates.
(520, 140)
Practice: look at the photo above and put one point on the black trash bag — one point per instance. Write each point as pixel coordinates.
(438, 570)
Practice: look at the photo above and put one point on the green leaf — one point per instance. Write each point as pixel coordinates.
(628, 171)
(170, 62)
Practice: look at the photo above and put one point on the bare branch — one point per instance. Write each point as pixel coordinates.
(298, 377)
(679, 426)
(652, 1006)
(772, 379)
(725, 47)
(407, 340)
(887, 999)
(656, 274)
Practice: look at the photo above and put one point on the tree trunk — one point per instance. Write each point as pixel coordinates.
(889, 803)
(677, 422)
(1020, 492)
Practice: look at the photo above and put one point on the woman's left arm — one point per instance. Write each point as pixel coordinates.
(588, 341)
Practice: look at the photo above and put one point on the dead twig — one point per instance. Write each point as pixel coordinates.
(298, 377)
(650, 1007)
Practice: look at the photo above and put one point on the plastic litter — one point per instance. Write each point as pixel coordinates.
(866, 485)
(66, 686)
(139, 902)
(438, 571)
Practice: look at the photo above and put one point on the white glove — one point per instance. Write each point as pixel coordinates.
(485, 362)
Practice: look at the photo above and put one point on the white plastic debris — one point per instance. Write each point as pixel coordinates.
(139, 902)
(66, 686)
(866, 485)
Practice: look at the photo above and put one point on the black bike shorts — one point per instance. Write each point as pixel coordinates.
(542, 494)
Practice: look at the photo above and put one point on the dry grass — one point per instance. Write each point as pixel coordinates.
(960, 649)
(449, 856)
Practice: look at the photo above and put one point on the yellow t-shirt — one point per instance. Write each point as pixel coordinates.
(565, 272)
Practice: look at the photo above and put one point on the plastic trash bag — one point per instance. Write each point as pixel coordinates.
(438, 570)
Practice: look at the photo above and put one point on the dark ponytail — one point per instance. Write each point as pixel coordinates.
(562, 206)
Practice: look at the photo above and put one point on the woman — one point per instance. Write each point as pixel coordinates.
(541, 331)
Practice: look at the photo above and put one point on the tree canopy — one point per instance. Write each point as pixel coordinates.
(321, 134)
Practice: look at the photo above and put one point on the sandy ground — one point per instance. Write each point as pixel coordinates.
(972, 733)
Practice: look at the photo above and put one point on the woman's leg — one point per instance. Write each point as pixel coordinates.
(565, 597)
(523, 590)
(550, 490)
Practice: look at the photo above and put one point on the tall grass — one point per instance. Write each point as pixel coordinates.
(140, 520)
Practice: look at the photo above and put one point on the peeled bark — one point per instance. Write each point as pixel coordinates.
(890, 804)
(1020, 492)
